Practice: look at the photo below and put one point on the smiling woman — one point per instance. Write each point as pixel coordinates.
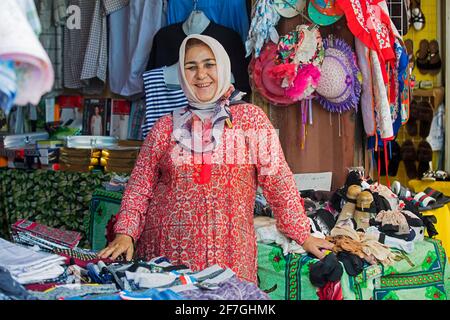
(199, 211)
(200, 70)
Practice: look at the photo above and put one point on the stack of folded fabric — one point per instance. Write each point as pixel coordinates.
(29, 266)
(79, 160)
(119, 159)
(47, 238)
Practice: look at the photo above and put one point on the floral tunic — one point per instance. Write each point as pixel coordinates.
(201, 214)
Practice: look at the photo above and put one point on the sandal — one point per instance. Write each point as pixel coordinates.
(409, 157)
(435, 62)
(422, 56)
(401, 191)
(417, 17)
(439, 196)
(424, 156)
(411, 125)
(425, 116)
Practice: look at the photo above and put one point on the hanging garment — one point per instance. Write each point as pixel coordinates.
(231, 14)
(18, 43)
(53, 14)
(169, 212)
(131, 32)
(159, 99)
(85, 45)
(371, 24)
(166, 53)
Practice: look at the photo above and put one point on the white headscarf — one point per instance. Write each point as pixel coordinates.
(223, 72)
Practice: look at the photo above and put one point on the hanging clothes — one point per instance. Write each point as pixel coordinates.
(231, 13)
(53, 14)
(166, 53)
(131, 32)
(159, 99)
(85, 47)
(19, 43)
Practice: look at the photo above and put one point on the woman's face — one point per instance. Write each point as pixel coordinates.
(201, 72)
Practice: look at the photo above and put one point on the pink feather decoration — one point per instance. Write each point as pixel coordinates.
(308, 75)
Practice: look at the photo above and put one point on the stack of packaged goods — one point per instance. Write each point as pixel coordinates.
(48, 153)
(120, 159)
(79, 160)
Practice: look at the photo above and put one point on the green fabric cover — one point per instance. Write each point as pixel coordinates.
(54, 198)
(422, 275)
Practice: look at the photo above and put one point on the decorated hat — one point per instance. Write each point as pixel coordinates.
(299, 55)
(339, 88)
(262, 78)
(289, 8)
(324, 12)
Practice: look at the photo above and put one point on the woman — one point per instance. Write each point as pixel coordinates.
(191, 195)
(96, 123)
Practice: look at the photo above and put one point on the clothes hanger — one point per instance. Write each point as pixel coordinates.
(197, 21)
(313, 24)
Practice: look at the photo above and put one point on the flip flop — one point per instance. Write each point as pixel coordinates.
(422, 56)
(435, 63)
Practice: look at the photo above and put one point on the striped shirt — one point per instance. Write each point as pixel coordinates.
(159, 99)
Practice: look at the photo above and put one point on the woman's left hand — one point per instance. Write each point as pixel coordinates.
(314, 245)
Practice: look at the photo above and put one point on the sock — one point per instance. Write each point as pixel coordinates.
(407, 246)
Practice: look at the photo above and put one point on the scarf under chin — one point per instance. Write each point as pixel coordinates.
(189, 131)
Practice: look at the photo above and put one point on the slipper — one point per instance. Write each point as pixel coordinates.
(435, 63)
(425, 116)
(395, 159)
(424, 156)
(401, 191)
(439, 196)
(409, 157)
(417, 16)
(409, 44)
(411, 125)
(422, 56)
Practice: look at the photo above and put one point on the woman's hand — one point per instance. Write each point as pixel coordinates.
(122, 243)
(314, 245)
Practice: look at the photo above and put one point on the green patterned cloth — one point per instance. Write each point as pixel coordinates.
(55, 198)
(422, 275)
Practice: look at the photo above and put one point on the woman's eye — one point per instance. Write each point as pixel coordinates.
(210, 65)
(191, 68)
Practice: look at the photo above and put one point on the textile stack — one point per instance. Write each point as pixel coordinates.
(29, 266)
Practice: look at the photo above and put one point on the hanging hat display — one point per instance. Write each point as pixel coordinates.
(339, 88)
(289, 8)
(324, 12)
(262, 79)
(299, 55)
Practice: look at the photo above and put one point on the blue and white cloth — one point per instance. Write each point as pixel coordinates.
(159, 99)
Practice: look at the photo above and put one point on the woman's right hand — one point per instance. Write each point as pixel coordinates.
(122, 243)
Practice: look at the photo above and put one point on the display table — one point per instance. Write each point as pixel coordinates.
(442, 214)
(421, 275)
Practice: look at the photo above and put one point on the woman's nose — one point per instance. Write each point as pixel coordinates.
(201, 73)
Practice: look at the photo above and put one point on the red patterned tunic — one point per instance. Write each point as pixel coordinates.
(200, 215)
